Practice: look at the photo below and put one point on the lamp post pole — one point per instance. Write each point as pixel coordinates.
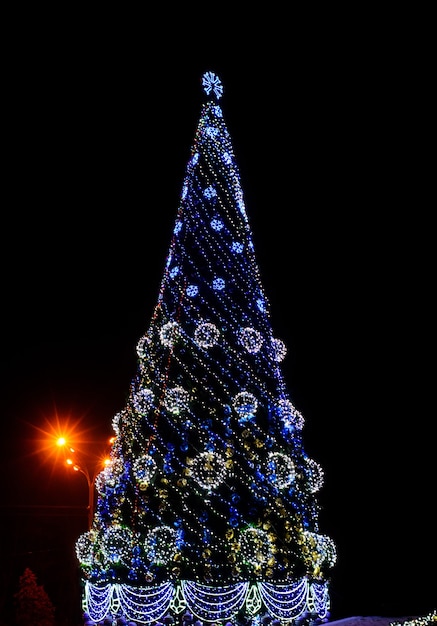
(90, 482)
(73, 460)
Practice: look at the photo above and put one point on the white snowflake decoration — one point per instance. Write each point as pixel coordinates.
(218, 284)
(261, 304)
(211, 82)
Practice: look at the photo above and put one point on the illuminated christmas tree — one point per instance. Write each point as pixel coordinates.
(209, 509)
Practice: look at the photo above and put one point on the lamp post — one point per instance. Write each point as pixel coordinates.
(75, 461)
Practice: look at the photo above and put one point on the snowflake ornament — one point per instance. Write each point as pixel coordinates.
(211, 82)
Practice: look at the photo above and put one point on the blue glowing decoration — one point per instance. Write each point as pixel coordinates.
(217, 224)
(210, 193)
(192, 290)
(237, 247)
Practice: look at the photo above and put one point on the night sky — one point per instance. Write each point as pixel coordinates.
(329, 132)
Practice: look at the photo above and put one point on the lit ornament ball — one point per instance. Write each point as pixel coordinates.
(279, 350)
(110, 476)
(117, 545)
(206, 335)
(245, 404)
(117, 421)
(256, 547)
(290, 416)
(251, 339)
(143, 400)
(85, 548)
(143, 347)
(161, 545)
(298, 420)
(103, 479)
(322, 549)
(208, 469)
(281, 469)
(169, 333)
(176, 400)
(286, 410)
(144, 470)
(314, 474)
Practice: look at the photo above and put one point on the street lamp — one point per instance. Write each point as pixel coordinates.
(79, 464)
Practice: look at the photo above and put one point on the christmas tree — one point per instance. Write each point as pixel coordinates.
(208, 511)
(32, 604)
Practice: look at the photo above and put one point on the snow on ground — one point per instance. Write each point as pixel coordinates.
(385, 621)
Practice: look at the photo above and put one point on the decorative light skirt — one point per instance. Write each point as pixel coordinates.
(243, 602)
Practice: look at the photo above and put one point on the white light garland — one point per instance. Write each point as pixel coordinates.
(208, 603)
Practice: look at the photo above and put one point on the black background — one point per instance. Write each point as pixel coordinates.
(330, 120)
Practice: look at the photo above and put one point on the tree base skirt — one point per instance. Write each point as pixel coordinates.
(187, 602)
